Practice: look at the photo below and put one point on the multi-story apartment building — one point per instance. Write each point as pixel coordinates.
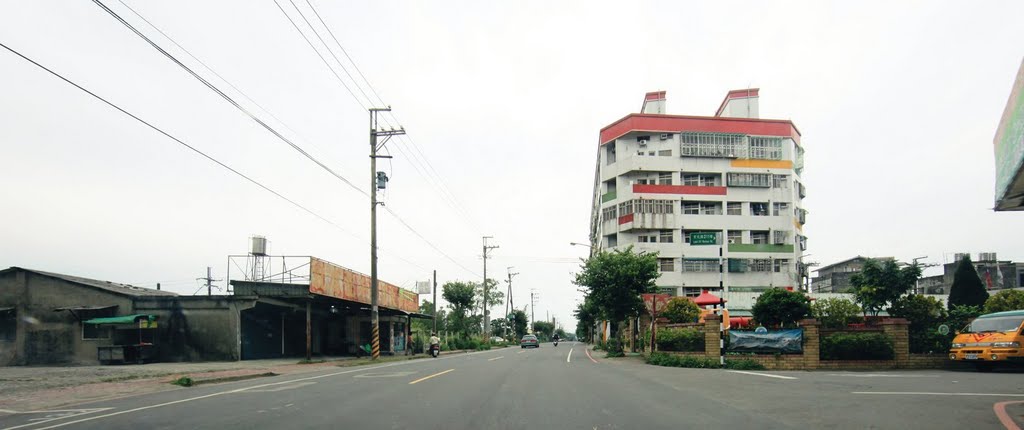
(659, 178)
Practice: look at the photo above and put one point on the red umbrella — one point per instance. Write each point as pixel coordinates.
(705, 298)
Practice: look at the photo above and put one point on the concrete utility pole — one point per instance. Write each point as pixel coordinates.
(434, 305)
(378, 180)
(487, 314)
(533, 307)
(508, 303)
(209, 281)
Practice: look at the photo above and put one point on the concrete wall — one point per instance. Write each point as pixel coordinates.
(196, 328)
(44, 336)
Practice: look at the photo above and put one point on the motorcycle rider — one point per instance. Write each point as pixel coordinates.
(434, 340)
(555, 338)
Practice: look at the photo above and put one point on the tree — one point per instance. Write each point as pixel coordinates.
(543, 329)
(925, 314)
(613, 281)
(586, 316)
(779, 307)
(1006, 300)
(835, 312)
(967, 288)
(561, 334)
(680, 310)
(495, 297)
(460, 296)
(880, 283)
(519, 323)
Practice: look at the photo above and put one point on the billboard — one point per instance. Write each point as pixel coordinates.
(331, 280)
(1009, 150)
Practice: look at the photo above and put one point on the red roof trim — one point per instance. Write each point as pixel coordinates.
(625, 219)
(736, 94)
(679, 123)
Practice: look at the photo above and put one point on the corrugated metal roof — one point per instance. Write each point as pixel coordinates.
(113, 287)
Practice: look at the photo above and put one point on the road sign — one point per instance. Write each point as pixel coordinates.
(704, 238)
(423, 287)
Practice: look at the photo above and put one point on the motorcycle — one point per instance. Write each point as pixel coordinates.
(556, 343)
(435, 349)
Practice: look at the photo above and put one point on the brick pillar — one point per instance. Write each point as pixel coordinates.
(812, 343)
(712, 336)
(896, 329)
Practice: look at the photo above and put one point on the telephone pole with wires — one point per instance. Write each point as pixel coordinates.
(378, 181)
(209, 281)
(508, 303)
(487, 314)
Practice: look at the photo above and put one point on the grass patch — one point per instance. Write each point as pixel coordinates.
(183, 381)
(304, 361)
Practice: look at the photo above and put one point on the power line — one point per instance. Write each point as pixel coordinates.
(428, 168)
(192, 148)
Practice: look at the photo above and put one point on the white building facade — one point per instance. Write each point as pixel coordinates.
(660, 178)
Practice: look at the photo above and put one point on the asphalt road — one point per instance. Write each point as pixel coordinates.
(553, 388)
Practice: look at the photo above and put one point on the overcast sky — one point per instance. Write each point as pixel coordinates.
(897, 102)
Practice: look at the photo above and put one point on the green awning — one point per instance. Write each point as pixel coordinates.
(126, 319)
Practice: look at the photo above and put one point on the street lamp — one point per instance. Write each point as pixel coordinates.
(580, 244)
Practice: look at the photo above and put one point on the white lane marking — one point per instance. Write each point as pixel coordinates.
(496, 358)
(924, 393)
(53, 415)
(430, 376)
(881, 375)
(384, 375)
(239, 390)
(282, 388)
(761, 374)
(568, 358)
(520, 352)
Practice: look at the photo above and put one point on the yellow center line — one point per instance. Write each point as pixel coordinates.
(495, 358)
(431, 376)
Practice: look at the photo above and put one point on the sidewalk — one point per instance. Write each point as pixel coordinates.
(40, 388)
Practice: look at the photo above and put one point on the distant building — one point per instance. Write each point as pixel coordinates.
(661, 179)
(835, 278)
(994, 274)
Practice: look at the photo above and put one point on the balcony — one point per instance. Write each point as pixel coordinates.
(647, 221)
(759, 247)
(679, 189)
(607, 197)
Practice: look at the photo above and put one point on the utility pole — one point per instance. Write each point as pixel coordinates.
(378, 180)
(209, 281)
(434, 310)
(508, 303)
(487, 314)
(533, 308)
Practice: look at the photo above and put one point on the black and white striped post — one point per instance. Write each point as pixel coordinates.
(721, 292)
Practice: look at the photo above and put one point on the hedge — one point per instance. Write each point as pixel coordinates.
(680, 340)
(672, 360)
(857, 346)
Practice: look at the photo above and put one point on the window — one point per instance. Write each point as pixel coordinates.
(644, 181)
(734, 208)
(780, 237)
(766, 148)
(691, 292)
(640, 152)
(95, 331)
(647, 238)
(759, 237)
(780, 209)
(665, 178)
(665, 236)
(608, 213)
(702, 179)
(780, 181)
(667, 290)
(752, 180)
(691, 180)
(612, 240)
(650, 153)
(758, 209)
(610, 153)
(738, 265)
(712, 145)
(702, 208)
(781, 265)
(625, 208)
(760, 265)
(644, 206)
(666, 264)
(735, 236)
(665, 153)
(8, 325)
(801, 215)
(700, 265)
(801, 189)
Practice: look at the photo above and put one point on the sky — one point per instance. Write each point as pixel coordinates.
(897, 103)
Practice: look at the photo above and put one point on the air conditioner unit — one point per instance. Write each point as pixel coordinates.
(732, 241)
(665, 136)
(642, 143)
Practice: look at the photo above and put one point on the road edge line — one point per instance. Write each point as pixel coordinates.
(430, 376)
